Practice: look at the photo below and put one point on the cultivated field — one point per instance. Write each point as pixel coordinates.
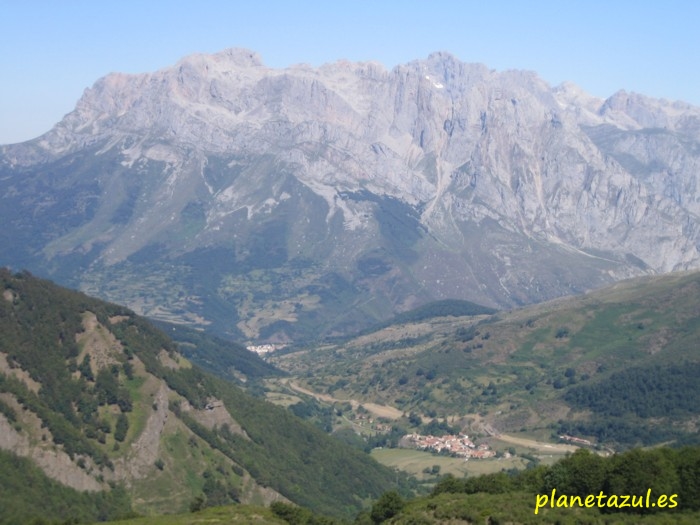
(416, 461)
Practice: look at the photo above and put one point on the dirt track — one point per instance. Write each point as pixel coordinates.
(558, 448)
(378, 410)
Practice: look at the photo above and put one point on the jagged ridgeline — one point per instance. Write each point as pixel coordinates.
(112, 417)
(301, 203)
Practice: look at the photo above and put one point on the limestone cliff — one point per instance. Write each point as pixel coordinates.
(350, 187)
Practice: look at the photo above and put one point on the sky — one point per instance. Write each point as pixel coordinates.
(51, 51)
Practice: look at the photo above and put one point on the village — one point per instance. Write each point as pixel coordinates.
(460, 446)
(264, 349)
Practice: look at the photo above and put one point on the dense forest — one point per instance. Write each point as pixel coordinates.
(627, 405)
(659, 391)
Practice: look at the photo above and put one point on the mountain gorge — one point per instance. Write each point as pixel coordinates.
(285, 204)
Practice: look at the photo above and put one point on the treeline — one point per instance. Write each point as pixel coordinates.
(300, 460)
(443, 308)
(296, 459)
(629, 431)
(627, 406)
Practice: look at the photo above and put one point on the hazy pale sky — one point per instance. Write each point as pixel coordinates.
(50, 51)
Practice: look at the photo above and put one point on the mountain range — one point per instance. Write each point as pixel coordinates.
(287, 204)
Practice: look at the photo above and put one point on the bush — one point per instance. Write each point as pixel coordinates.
(121, 428)
(562, 333)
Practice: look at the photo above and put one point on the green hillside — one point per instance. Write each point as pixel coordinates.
(102, 401)
(650, 487)
(222, 357)
(238, 514)
(618, 366)
(28, 494)
(640, 487)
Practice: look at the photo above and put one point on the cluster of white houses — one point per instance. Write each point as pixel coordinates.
(264, 349)
(576, 440)
(460, 446)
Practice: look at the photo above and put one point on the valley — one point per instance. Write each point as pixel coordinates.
(528, 387)
(532, 371)
(313, 295)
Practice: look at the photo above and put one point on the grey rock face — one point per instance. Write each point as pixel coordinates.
(263, 201)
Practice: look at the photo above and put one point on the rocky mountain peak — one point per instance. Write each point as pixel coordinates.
(239, 57)
(648, 113)
(434, 179)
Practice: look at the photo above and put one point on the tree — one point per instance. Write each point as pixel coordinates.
(636, 471)
(86, 369)
(387, 506)
(121, 427)
(107, 387)
(688, 468)
(579, 474)
(198, 503)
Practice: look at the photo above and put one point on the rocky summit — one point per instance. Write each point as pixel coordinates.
(284, 204)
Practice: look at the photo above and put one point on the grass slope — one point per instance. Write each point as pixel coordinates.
(232, 514)
(555, 367)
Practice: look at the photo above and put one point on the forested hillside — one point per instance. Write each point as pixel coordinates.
(27, 495)
(102, 401)
(222, 357)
